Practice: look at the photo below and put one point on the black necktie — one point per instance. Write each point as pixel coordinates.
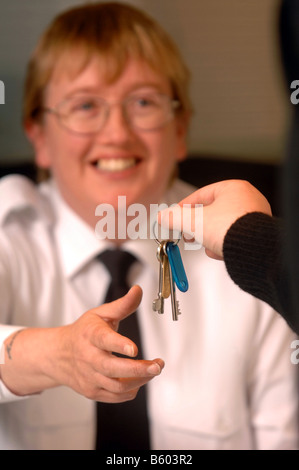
(122, 426)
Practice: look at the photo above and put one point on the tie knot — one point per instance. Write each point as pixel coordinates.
(118, 262)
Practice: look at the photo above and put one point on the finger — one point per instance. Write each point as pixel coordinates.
(213, 255)
(122, 307)
(207, 194)
(121, 389)
(104, 336)
(171, 218)
(123, 384)
(204, 195)
(119, 367)
(105, 396)
(184, 219)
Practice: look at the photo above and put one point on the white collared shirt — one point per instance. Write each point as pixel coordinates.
(228, 381)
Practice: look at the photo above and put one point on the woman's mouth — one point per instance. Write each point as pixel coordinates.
(112, 165)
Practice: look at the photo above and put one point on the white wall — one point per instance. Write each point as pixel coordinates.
(230, 46)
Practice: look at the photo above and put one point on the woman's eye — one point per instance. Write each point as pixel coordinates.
(145, 102)
(85, 106)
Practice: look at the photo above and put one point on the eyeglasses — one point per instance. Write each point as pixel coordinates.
(87, 114)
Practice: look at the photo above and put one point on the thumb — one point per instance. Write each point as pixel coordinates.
(183, 219)
(171, 218)
(121, 308)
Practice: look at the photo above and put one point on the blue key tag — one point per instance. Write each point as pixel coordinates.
(177, 267)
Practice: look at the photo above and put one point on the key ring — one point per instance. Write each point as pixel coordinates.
(159, 242)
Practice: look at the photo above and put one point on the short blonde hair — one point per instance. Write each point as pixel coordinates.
(113, 31)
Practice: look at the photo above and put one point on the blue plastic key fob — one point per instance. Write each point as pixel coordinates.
(177, 267)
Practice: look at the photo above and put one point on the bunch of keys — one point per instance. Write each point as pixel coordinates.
(171, 273)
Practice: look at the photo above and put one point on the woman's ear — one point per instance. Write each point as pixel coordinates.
(36, 136)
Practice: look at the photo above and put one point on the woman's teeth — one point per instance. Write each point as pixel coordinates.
(115, 164)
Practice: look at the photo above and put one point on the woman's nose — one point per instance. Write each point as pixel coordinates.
(116, 127)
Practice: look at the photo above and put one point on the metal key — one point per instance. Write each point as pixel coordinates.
(166, 287)
(174, 302)
(177, 275)
(158, 303)
(171, 273)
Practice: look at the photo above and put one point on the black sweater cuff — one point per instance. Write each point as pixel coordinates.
(253, 252)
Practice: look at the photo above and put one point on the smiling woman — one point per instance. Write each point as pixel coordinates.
(106, 100)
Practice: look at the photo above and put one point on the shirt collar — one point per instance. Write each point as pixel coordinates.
(76, 241)
(18, 194)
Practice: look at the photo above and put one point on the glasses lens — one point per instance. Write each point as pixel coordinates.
(82, 114)
(149, 111)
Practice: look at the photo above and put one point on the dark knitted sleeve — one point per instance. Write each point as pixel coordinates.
(254, 257)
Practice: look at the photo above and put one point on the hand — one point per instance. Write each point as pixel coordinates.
(81, 357)
(94, 370)
(223, 203)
